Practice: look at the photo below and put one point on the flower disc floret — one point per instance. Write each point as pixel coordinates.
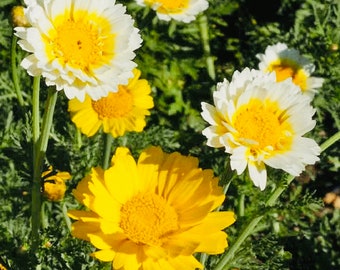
(151, 214)
(79, 46)
(260, 121)
(180, 10)
(289, 63)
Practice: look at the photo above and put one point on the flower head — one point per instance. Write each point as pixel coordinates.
(180, 10)
(79, 46)
(260, 121)
(54, 184)
(288, 63)
(117, 113)
(19, 18)
(153, 214)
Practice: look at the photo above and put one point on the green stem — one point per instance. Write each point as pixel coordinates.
(241, 205)
(330, 141)
(107, 150)
(35, 111)
(203, 25)
(39, 155)
(239, 241)
(203, 259)
(66, 218)
(249, 229)
(15, 71)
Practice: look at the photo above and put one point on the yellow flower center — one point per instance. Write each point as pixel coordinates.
(259, 125)
(169, 6)
(147, 218)
(285, 69)
(115, 105)
(82, 41)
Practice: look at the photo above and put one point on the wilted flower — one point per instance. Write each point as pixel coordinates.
(153, 214)
(79, 46)
(260, 121)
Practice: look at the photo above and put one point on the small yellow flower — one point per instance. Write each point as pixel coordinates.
(119, 112)
(153, 214)
(288, 63)
(54, 186)
(259, 126)
(81, 47)
(180, 10)
(18, 17)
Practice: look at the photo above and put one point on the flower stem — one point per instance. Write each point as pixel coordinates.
(107, 150)
(330, 141)
(232, 250)
(66, 218)
(241, 205)
(35, 112)
(15, 71)
(203, 25)
(39, 150)
(249, 229)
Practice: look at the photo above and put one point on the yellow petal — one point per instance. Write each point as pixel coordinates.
(185, 262)
(126, 256)
(148, 167)
(122, 179)
(99, 240)
(81, 229)
(105, 255)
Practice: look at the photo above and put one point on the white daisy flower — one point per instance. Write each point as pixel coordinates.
(180, 10)
(259, 126)
(289, 63)
(79, 46)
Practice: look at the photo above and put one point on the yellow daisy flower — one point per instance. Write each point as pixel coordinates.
(153, 214)
(180, 10)
(259, 126)
(79, 46)
(117, 113)
(54, 184)
(288, 63)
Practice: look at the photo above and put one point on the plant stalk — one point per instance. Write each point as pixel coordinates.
(203, 26)
(39, 150)
(15, 71)
(107, 151)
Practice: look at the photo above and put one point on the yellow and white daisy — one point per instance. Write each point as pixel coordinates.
(288, 63)
(118, 113)
(179, 10)
(153, 214)
(79, 46)
(260, 121)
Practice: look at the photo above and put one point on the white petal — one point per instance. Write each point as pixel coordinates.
(238, 160)
(258, 174)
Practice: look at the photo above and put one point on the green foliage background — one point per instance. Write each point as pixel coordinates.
(300, 232)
